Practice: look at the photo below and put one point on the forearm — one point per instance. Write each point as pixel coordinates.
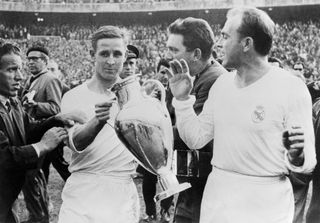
(16, 157)
(36, 129)
(195, 131)
(84, 135)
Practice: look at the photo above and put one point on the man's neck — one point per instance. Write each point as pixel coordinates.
(203, 65)
(252, 71)
(39, 73)
(3, 99)
(100, 86)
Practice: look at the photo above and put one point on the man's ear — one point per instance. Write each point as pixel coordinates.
(197, 54)
(247, 44)
(92, 53)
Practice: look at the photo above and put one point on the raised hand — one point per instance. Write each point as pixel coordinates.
(180, 81)
(293, 140)
(51, 139)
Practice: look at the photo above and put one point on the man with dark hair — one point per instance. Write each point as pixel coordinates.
(130, 65)
(192, 39)
(23, 141)
(100, 188)
(41, 98)
(261, 120)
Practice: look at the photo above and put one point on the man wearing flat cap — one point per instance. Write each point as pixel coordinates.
(130, 66)
(41, 98)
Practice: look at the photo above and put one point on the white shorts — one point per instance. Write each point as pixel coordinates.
(92, 198)
(230, 197)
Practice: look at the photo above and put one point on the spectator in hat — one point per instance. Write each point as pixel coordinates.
(130, 65)
(41, 97)
(275, 61)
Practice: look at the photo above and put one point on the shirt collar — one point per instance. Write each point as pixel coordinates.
(3, 99)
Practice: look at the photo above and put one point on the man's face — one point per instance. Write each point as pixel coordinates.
(54, 68)
(163, 78)
(176, 50)
(10, 75)
(298, 68)
(230, 42)
(109, 58)
(129, 68)
(36, 63)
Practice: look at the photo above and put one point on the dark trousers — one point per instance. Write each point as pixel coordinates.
(149, 187)
(189, 201)
(36, 196)
(58, 162)
(313, 214)
(300, 184)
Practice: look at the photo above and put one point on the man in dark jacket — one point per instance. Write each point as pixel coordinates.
(192, 39)
(41, 98)
(22, 140)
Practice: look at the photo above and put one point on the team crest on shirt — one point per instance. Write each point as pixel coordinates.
(258, 114)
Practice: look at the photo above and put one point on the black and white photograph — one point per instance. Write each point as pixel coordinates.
(159, 111)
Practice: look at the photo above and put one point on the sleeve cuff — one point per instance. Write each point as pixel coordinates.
(297, 169)
(181, 105)
(37, 149)
(71, 144)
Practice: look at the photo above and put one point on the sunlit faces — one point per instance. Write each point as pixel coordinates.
(230, 42)
(176, 50)
(36, 62)
(129, 68)
(10, 75)
(109, 58)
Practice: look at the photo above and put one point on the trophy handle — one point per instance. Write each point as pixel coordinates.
(160, 87)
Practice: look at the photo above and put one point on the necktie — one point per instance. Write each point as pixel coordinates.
(8, 106)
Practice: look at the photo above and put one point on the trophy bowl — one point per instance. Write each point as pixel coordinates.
(144, 126)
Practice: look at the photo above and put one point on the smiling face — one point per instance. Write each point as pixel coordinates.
(10, 75)
(231, 43)
(109, 56)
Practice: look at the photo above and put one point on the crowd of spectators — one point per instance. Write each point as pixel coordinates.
(70, 45)
(86, 1)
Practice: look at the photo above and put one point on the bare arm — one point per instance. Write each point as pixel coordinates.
(85, 134)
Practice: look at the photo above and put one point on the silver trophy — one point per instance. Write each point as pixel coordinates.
(144, 127)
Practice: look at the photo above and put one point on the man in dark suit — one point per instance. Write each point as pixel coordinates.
(191, 39)
(22, 140)
(41, 98)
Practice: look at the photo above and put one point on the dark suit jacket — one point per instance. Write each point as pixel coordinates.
(48, 90)
(200, 90)
(17, 131)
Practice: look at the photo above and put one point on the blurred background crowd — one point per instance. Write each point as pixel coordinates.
(69, 45)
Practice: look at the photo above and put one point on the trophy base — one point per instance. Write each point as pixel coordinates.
(171, 191)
